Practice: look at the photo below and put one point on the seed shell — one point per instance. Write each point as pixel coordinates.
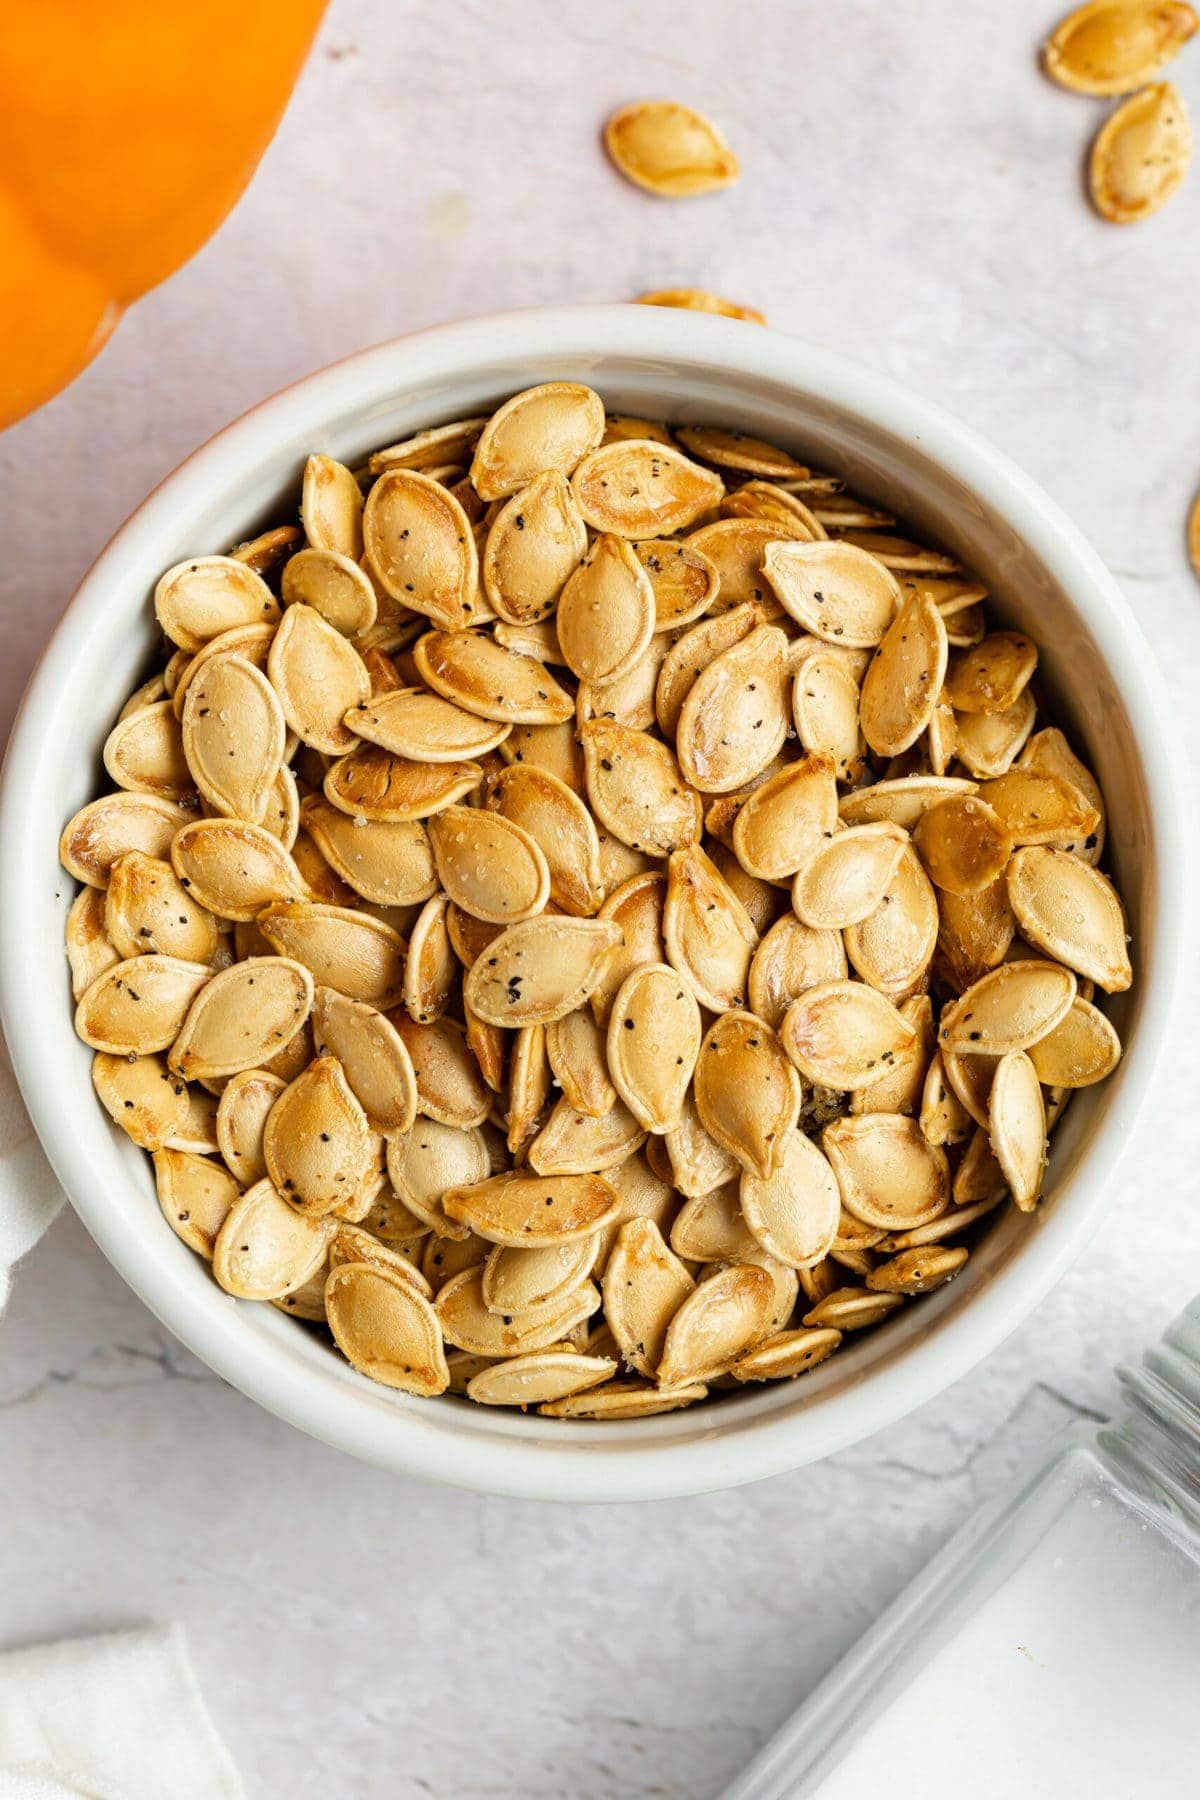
(540, 1376)
(535, 542)
(547, 427)
(606, 613)
(539, 970)
(147, 908)
(735, 718)
(245, 1103)
(698, 300)
(137, 1006)
(1141, 154)
(482, 677)
(846, 876)
(723, 1317)
(794, 1212)
(889, 1176)
(747, 1092)
(900, 688)
(318, 675)
(358, 955)
(842, 1034)
(1114, 46)
(421, 549)
(265, 1248)
(636, 789)
(708, 934)
(654, 1036)
(373, 1057)
(387, 862)
(669, 150)
(637, 488)
(198, 599)
(234, 735)
(242, 1017)
(467, 1323)
(234, 868)
(825, 708)
(783, 820)
(573, 1143)
(1072, 912)
(1017, 1127)
(1009, 1008)
(489, 866)
(331, 507)
(835, 590)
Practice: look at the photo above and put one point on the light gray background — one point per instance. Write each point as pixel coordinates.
(911, 195)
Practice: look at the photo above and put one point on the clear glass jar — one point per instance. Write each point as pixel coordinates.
(1055, 1637)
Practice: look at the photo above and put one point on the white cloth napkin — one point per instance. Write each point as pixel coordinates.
(109, 1718)
(29, 1194)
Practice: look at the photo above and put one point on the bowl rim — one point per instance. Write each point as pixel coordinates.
(730, 1456)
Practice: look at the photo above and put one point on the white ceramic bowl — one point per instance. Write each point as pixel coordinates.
(890, 445)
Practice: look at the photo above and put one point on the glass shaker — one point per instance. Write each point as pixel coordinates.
(1055, 1638)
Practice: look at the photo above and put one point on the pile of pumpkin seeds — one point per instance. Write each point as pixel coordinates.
(592, 915)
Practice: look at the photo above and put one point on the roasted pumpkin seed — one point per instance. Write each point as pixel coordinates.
(669, 149)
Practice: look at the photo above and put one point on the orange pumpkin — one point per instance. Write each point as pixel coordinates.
(128, 129)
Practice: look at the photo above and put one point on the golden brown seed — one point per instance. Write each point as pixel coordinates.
(723, 1317)
(105, 829)
(420, 547)
(1082, 1049)
(143, 753)
(636, 789)
(539, 970)
(547, 427)
(787, 1355)
(917, 1271)
(693, 652)
(790, 959)
(559, 823)
(793, 1212)
(1072, 912)
(484, 678)
(988, 743)
(1008, 1009)
(317, 1141)
(1114, 46)
(331, 507)
(387, 862)
(245, 1103)
(467, 1323)
(319, 676)
(534, 543)
(963, 844)
(844, 878)
(422, 727)
(835, 590)
(893, 946)
(440, 444)
(735, 718)
(644, 1286)
(1017, 1127)
(450, 1086)
(747, 1092)
(825, 707)
(698, 300)
(147, 908)
(385, 1328)
(423, 1165)
(606, 613)
(783, 820)
(572, 1143)
(670, 150)
(640, 489)
(530, 1211)
(234, 868)
(900, 688)
(991, 677)
(653, 1041)
(844, 1034)
(373, 1056)
(684, 580)
(265, 1248)
(234, 735)
(334, 586)
(137, 1006)
(708, 934)
(489, 866)
(142, 1096)
(625, 1400)
(359, 956)
(196, 1196)
(1141, 154)
(539, 1377)
(889, 1176)
(200, 598)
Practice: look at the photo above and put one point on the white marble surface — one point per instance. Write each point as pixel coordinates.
(911, 195)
